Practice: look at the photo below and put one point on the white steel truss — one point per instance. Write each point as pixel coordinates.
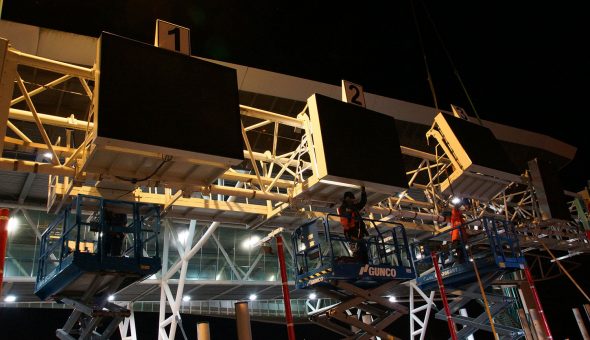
(270, 187)
(127, 328)
(418, 325)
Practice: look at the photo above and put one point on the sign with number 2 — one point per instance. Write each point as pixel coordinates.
(353, 93)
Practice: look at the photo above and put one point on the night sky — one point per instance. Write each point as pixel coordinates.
(523, 64)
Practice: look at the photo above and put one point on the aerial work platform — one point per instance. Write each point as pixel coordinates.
(489, 245)
(494, 246)
(324, 254)
(324, 262)
(93, 249)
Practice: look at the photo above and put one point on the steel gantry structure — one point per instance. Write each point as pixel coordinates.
(283, 180)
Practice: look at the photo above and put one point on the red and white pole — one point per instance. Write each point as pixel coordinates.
(4, 217)
(285, 286)
(531, 282)
(441, 287)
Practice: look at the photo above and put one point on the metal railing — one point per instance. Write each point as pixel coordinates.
(101, 228)
(479, 238)
(273, 308)
(386, 244)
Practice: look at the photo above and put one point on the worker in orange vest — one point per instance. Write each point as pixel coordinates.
(353, 225)
(458, 234)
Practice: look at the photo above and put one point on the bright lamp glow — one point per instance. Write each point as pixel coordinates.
(13, 223)
(313, 296)
(392, 299)
(456, 200)
(340, 184)
(10, 298)
(111, 298)
(186, 298)
(252, 297)
(48, 155)
(250, 242)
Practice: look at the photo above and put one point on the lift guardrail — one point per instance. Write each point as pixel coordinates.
(323, 254)
(97, 235)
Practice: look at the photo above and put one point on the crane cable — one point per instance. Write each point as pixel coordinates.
(428, 75)
(448, 55)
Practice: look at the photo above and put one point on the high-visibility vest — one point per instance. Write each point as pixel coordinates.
(348, 221)
(456, 221)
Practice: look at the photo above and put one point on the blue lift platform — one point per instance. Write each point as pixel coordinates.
(493, 246)
(324, 263)
(95, 248)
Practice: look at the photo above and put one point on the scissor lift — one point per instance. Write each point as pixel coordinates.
(493, 247)
(324, 262)
(93, 249)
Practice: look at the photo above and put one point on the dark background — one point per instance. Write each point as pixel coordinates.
(46, 321)
(524, 64)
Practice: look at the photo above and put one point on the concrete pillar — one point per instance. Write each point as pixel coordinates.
(537, 324)
(243, 321)
(528, 335)
(581, 325)
(203, 331)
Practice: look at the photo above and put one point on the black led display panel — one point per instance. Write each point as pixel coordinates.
(481, 145)
(163, 98)
(360, 144)
(547, 174)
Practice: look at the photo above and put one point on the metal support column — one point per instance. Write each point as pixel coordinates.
(581, 325)
(4, 218)
(285, 286)
(441, 287)
(528, 335)
(422, 324)
(537, 324)
(531, 282)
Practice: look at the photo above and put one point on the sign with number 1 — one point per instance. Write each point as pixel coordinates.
(172, 37)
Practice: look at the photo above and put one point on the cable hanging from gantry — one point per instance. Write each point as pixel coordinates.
(421, 41)
(447, 54)
(165, 159)
(55, 88)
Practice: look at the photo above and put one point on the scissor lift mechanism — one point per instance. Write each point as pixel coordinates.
(498, 303)
(360, 288)
(89, 314)
(495, 252)
(371, 301)
(81, 262)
